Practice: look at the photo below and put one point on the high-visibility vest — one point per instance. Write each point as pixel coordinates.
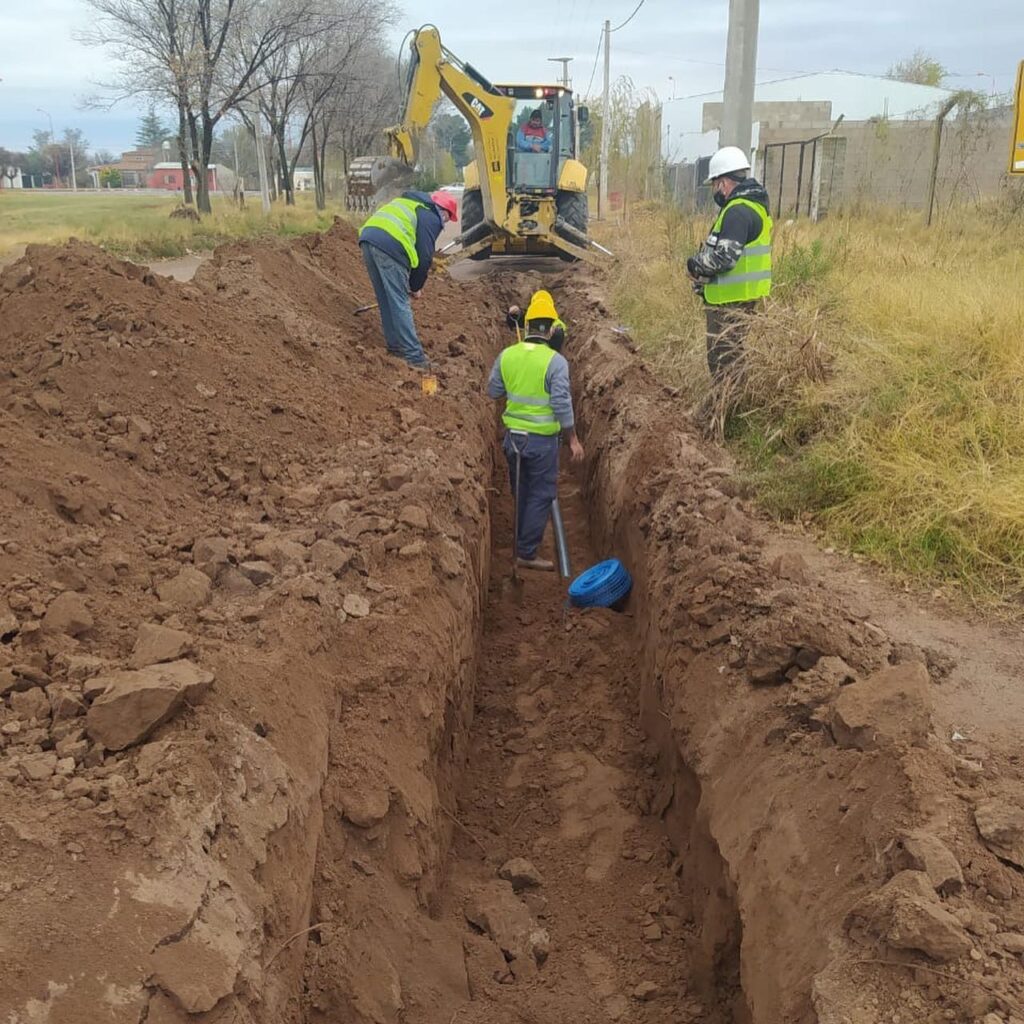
(398, 219)
(528, 403)
(751, 278)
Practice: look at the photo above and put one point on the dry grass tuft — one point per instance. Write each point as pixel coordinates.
(883, 396)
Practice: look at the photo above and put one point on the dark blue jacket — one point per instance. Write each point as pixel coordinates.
(428, 230)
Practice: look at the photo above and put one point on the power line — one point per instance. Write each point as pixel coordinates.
(568, 33)
(597, 57)
(630, 18)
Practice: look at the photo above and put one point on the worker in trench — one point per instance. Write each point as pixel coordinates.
(733, 269)
(532, 376)
(398, 243)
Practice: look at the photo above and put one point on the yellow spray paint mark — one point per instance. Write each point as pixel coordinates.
(429, 384)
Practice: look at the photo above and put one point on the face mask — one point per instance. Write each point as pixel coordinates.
(720, 199)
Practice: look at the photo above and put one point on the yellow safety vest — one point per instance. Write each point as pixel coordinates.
(524, 367)
(751, 278)
(398, 219)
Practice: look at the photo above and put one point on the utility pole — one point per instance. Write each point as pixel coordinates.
(602, 195)
(740, 69)
(564, 61)
(53, 144)
(261, 163)
(71, 149)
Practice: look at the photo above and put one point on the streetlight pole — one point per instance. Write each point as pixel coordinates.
(53, 142)
(673, 81)
(564, 61)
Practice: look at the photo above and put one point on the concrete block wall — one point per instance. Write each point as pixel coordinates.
(888, 163)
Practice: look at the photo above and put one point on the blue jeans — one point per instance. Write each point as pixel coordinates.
(390, 280)
(538, 485)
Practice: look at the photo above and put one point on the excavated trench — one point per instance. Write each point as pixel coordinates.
(565, 873)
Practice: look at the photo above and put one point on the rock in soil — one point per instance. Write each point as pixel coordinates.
(133, 704)
(496, 911)
(155, 644)
(356, 605)
(921, 851)
(521, 873)
(8, 621)
(646, 991)
(189, 589)
(38, 767)
(68, 613)
(906, 914)
(893, 706)
(1001, 824)
(31, 704)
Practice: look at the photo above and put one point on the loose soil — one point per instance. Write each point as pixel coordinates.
(279, 743)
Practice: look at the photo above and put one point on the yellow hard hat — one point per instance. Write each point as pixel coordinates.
(542, 307)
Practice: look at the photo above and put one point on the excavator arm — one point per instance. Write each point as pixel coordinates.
(435, 71)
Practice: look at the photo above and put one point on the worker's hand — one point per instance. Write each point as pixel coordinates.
(691, 268)
(576, 450)
(536, 148)
(417, 294)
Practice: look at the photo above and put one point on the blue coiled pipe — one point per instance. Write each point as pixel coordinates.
(601, 586)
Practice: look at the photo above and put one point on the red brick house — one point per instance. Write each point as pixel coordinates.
(168, 176)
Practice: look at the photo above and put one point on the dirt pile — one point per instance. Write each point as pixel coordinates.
(240, 565)
(830, 840)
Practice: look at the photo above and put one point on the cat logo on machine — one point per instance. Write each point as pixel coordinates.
(479, 107)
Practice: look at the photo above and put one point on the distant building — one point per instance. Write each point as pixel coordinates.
(134, 167)
(800, 106)
(10, 177)
(302, 179)
(169, 177)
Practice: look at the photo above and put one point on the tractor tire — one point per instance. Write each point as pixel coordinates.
(471, 214)
(572, 208)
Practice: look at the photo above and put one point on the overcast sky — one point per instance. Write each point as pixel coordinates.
(41, 66)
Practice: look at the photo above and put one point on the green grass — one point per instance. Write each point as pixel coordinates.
(884, 399)
(139, 226)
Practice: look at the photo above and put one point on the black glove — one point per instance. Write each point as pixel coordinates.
(692, 267)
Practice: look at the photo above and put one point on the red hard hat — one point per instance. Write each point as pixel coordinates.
(447, 202)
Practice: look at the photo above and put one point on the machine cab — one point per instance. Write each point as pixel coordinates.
(543, 136)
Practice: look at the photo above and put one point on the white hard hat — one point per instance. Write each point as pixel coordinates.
(726, 161)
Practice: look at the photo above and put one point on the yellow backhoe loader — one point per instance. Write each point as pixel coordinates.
(525, 191)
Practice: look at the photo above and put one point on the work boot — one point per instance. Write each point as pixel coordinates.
(541, 564)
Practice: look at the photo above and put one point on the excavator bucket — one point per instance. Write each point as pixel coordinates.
(373, 180)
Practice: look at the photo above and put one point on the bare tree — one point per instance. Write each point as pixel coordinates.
(150, 43)
(209, 56)
(357, 110)
(304, 75)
